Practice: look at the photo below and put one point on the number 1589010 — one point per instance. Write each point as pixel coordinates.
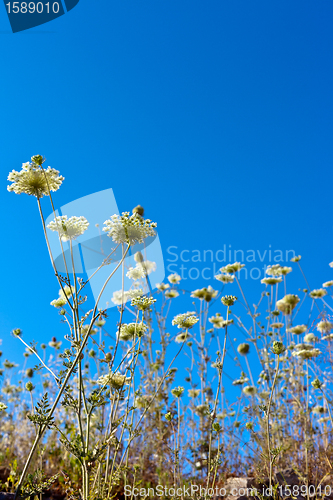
(32, 7)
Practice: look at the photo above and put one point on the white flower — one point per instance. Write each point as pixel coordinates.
(115, 380)
(324, 326)
(68, 291)
(331, 264)
(181, 338)
(162, 286)
(307, 353)
(135, 273)
(310, 337)
(131, 330)
(134, 294)
(277, 325)
(317, 294)
(59, 302)
(232, 268)
(34, 180)
(119, 297)
(225, 278)
(147, 267)
(298, 329)
(171, 294)
(174, 278)
(271, 281)
(327, 284)
(3, 407)
(219, 322)
(128, 228)
(249, 390)
(69, 229)
(186, 320)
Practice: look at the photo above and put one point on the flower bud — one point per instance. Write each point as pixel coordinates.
(316, 384)
(278, 347)
(29, 373)
(138, 210)
(29, 387)
(228, 300)
(243, 349)
(168, 416)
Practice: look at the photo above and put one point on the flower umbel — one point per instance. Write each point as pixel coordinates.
(34, 180)
(128, 228)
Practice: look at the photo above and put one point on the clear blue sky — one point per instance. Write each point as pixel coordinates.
(215, 116)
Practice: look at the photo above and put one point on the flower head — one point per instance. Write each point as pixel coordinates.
(316, 383)
(228, 300)
(225, 278)
(318, 294)
(177, 392)
(171, 294)
(298, 329)
(324, 326)
(69, 228)
(34, 180)
(193, 393)
(135, 273)
(278, 347)
(243, 349)
(271, 281)
(181, 337)
(297, 258)
(162, 286)
(131, 330)
(287, 304)
(128, 228)
(249, 390)
(143, 303)
(115, 380)
(310, 337)
(328, 284)
(232, 268)
(3, 407)
(219, 322)
(174, 278)
(185, 320)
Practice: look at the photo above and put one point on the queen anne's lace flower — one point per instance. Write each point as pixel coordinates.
(232, 268)
(328, 284)
(219, 322)
(34, 180)
(147, 267)
(317, 294)
(193, 393)
(185, 320)
(115, 380)
(310, 337)
(225, 278)
(69, 229)
(59, 302)
(171, 294)
(324, 326)
(298, 329)
(132, 330)
(271, 281)
(287, 304)
(3, 406)
(174, 278)
(135, 273)
(128, 228)
(249, 390)
(307, 353)
(206, 294)
(181, 337)
(162, 286)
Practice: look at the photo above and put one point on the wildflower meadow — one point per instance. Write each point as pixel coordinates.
(119, 406)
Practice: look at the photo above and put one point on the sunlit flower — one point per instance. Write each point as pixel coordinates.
(131, 330)
(204, 294)
(228, 300)
(328, 284)
(143, 303)
(34, 180)
(69, 228)
(128, 228)
(310, 337)
(225, 278)
(177, 391)
(277, 325)
(201, 410)
(185, 320)
(171, 294)
(307, 353)
(271, 281)
(135, 273)
(242, 380)
(193, 393)
(115, 380)
(275, 270)
(147, 267)
(232, 268)
(181, 337)
(59, 302)
(328, 337)
(219, 322)
(324, 326)
(174, 278)
(249, 390)
(162, 286)
(243, 348)
(318, 409)
(119, 297)
(3, 407)
(317, 294)
(298, 329)
(331, 264)
(67, 291)
(288, 303)
(297, 258)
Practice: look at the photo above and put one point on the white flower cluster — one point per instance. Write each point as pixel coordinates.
(121, 297)
(128, 228)
(141, 270)
(185, 320)
(69, 228)
(131, 330)
(115, 380)
(34, 180)
(277, 270)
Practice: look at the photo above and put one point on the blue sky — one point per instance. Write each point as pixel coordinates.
(215, 116)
